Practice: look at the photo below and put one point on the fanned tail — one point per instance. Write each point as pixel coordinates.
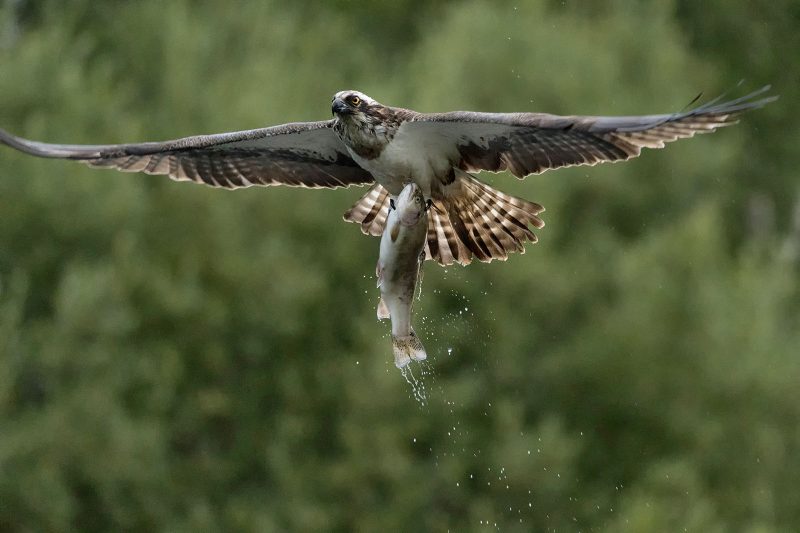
(371, 211)
(472, 219)
(469, 219)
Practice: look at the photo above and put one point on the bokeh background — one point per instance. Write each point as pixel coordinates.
(179, 358)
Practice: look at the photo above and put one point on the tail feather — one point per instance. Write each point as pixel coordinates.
(444, 245)
(468, 220)
(507, 227)
(407, 348)
(371, 211)
(495, 209)
(489, 224)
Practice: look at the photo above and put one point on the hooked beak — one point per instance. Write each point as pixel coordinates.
(338, 107)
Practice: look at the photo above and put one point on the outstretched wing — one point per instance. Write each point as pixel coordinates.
(303, 154)
(530, 143)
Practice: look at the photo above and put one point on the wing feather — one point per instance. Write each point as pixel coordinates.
(531, 143)
(302, 154)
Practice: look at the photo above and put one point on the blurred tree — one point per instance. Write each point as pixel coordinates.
(177, 358)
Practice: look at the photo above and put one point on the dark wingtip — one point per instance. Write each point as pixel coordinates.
(55, 151)
(743, 103)
(10, 140)
(23, 145)
(694, 101)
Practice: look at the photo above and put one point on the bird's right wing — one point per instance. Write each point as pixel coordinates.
(531, 143)
(303, 154)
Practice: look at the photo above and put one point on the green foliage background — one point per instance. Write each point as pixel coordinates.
(177, 358)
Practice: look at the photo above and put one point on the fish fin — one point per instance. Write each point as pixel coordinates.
(383, 310)
(379, 273)
(407, 348)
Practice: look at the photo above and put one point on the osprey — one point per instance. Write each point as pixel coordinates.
(368, 143)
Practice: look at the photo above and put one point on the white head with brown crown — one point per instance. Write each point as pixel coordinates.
(362, 123)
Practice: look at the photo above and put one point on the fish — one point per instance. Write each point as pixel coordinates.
(399, 269)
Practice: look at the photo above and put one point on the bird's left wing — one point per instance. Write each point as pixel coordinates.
(303, 154)
(530, 143)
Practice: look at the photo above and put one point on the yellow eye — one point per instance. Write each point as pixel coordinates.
(355, 100)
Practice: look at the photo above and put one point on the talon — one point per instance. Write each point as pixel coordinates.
(428, 204)
(391, 204)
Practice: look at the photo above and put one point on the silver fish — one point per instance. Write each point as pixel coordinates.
(398, 270)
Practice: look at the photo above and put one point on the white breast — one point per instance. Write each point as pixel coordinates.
(410, 156)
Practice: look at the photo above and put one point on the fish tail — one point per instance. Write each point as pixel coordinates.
(407, 348)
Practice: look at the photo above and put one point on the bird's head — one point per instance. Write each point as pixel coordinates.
(354, 106)
(364, 125)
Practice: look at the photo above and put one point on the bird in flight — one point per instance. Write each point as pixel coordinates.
(368, 143)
